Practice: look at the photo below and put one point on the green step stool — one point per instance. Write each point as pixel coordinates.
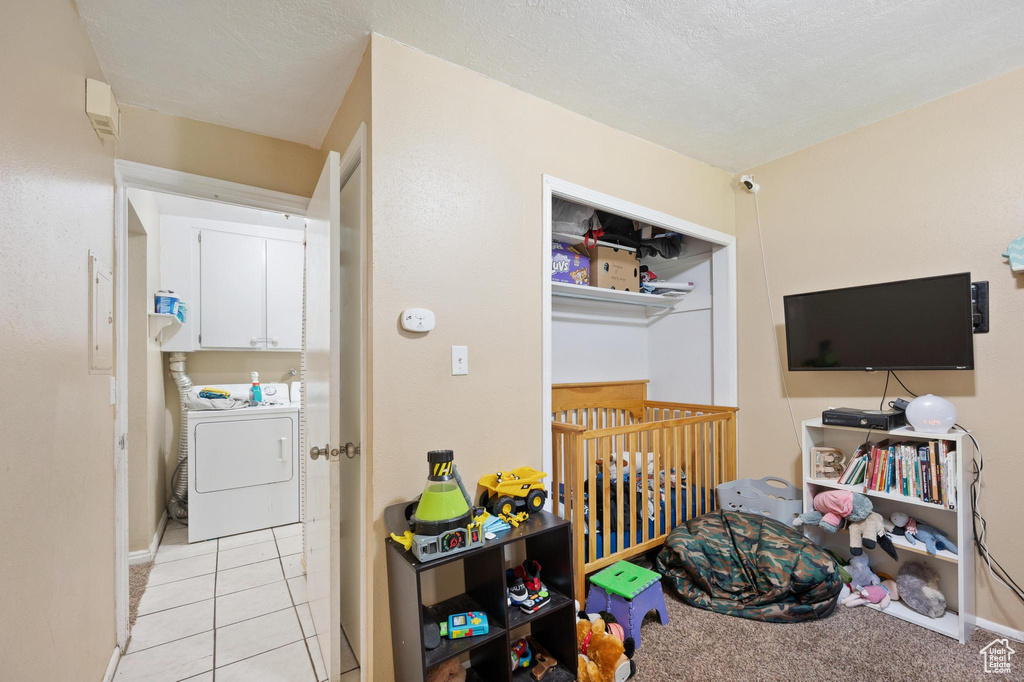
(628, 592)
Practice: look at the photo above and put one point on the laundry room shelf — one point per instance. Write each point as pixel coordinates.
(161, 324)
(563, 290)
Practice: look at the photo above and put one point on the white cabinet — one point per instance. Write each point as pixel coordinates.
(232, 290)
(285, 263)
(242, 285)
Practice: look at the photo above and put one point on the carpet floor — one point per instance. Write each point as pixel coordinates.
(138, 577)
(851, 644)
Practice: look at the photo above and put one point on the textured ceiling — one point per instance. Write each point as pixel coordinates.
(731, 82)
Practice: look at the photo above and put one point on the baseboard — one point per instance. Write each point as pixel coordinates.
(144, 556)
(999, 629)
(112, 665)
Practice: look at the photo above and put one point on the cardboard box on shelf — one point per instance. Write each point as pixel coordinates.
(612, 268)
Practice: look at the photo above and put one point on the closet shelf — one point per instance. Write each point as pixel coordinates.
(613, 295)
(575, 239)
(160, 323)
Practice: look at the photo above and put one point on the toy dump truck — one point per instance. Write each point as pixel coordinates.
(508, 492)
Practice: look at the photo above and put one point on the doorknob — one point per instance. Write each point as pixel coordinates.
(316, 453)
(350, 450)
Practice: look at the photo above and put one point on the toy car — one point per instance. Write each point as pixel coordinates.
(507, 492)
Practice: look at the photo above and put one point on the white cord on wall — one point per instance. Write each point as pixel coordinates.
(748, 183)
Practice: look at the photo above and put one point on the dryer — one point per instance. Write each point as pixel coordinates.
(243, 465)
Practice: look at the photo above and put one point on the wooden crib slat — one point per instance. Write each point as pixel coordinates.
(706, 440)
(592, 496)
(656, 484)
(678, 464)
(617, 453)
(606, 489)
(645, 448)
(632, 446)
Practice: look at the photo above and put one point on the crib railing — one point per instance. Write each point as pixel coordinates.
(674, 453)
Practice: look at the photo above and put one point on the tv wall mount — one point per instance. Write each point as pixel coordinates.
(979, 306)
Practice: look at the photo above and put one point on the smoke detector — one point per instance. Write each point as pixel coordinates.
(101, 107)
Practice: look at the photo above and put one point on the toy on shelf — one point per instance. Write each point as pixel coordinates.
(542, 660)
(448, 671)
(831, 507)
(602, 657)
(507, 492)
(525, 589)
(442, 522)
(912, 529)
(880, 595)
(860, 573)
(919, 589)
(468, 624)
(521, 654)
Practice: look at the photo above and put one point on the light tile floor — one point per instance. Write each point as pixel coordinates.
(225, 610)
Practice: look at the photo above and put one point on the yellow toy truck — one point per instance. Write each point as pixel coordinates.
(507, 492)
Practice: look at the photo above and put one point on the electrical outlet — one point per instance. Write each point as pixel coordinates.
(460, 360)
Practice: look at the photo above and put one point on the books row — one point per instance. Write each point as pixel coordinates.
(926, 471)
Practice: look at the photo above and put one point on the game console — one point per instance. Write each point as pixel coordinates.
(883, 420)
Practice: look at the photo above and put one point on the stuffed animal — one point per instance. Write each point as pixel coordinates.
(869, 532)
(603, 656)
(881, 595)
(832, 506)
(919, 589)
(933, 538)
(449, 671)
(860, 573)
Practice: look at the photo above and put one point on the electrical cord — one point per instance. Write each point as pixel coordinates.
(771, 315)
(979, 526)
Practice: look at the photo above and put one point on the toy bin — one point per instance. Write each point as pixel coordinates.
(782, 501)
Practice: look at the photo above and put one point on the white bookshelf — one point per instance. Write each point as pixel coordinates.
(956, 572)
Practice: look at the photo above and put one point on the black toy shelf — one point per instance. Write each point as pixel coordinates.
(546, 539)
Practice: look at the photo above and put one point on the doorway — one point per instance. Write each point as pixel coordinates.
(220, 358)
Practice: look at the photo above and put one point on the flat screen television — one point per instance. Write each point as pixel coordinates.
(922, 323)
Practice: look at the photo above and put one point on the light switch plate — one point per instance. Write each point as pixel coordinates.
(460, 360)
(417, 320)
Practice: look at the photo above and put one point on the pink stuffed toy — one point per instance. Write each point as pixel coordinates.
(881, 595)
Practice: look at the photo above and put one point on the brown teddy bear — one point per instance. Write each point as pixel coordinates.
(603, 656)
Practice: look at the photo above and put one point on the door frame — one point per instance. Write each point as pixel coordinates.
(725, 387)
(133, 175)
(355, 156)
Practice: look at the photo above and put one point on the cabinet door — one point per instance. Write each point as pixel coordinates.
(232, 287)
(285, 261)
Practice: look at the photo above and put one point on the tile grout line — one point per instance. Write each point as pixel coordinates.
(213, 674)
(295, 607)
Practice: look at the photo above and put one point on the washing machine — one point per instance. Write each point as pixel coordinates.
(243, 465)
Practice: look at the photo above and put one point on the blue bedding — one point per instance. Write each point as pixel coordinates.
(693, 505)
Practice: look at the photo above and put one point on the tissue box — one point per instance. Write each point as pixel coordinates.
(569, 265)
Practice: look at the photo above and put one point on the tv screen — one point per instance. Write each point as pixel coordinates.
(913, 324)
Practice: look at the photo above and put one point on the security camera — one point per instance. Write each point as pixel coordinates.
(747, 183)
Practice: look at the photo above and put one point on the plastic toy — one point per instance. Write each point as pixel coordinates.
(510, 491)
(521, 654)
(443, 522)
(468, 624)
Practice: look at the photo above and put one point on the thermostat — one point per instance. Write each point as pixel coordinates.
(417, 320)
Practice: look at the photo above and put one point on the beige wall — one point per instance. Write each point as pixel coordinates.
(457, 167)
(206, 149)
(933, 190)
(57, 482)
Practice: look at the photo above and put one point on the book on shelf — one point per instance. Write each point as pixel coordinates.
(925, 471)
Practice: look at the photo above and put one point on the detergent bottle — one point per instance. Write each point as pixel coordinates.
(255, 392)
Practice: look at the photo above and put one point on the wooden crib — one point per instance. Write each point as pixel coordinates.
(599, 432)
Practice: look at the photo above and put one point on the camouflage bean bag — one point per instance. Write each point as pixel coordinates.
(749, 566)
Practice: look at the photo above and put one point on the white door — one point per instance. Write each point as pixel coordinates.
(232, 288)
(284, 295)
(335, 320)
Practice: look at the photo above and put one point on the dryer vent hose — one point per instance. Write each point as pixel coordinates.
(177, 507)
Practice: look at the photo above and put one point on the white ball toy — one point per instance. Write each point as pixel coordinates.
(931, 414)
